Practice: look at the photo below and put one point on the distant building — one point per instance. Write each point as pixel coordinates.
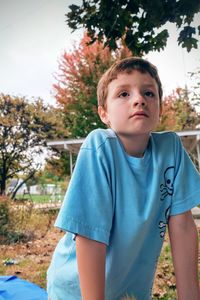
(44, 189)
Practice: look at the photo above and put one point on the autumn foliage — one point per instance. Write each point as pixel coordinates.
(77, 78)
(178, 113)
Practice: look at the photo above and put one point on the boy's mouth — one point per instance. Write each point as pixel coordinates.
(139, 113)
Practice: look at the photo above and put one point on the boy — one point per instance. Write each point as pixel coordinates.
(128, 185)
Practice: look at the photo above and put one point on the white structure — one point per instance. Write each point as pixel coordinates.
(191, 142)
(45, 189)
(70, 145)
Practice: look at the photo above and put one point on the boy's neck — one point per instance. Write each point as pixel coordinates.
(135, 145)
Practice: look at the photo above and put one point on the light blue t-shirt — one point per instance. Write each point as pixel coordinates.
(124, 202)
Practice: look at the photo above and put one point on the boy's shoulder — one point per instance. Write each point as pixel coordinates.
(165, 136)
(97, 138)
(166, 140)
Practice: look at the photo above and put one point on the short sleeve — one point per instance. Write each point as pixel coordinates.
(87, 208)
(186, 182)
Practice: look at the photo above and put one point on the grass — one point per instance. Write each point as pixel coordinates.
(40, 198)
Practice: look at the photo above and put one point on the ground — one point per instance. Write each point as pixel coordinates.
(31, 260)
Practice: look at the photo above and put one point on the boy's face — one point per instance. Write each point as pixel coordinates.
(133, 105)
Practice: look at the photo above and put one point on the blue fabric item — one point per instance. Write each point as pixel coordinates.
(124, 202)
(14, 288)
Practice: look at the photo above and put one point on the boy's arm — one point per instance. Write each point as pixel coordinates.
(184, 244)
(91, 267)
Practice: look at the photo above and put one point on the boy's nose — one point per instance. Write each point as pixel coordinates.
(139, 101)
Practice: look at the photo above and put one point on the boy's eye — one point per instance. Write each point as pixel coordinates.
(123, 94)
(149, 94)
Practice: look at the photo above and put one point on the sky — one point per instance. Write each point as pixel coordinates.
(34, 35)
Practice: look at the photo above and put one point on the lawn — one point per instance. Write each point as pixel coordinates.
(40, 198)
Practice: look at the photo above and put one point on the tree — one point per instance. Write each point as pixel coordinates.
(138, 23)
(178, 112)
(57, 167)
(195, 94)
(24, 130)
(75, 90)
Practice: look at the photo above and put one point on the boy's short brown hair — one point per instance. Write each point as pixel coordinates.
(126, 65)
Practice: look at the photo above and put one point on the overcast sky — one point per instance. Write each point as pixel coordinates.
(33, 35)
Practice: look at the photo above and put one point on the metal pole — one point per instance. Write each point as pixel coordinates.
(198, 150)
(71, 162)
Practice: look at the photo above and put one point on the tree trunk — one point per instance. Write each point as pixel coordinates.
(24, 181)
(3, 185)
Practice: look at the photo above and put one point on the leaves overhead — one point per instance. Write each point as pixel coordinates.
(138, 23)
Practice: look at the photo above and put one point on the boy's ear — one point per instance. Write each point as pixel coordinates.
(103, 115)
